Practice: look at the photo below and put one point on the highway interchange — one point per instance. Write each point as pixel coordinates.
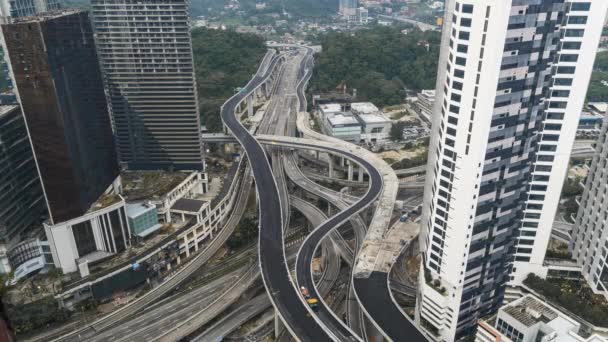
(272, 153)
(285, 298)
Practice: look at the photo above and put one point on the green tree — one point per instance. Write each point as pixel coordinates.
(396, 133)
(379, 62)
(224, 60)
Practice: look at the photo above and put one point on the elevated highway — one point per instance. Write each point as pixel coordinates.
(288, 304)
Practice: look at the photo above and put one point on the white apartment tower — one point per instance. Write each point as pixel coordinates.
(145, 51)
(511, 84)
(590, 234)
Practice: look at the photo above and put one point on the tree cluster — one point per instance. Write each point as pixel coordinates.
(223, 61)
(597, 91)
(379, 62)
(245, 233)
(37, 315)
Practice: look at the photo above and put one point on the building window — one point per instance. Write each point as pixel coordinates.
(465, 22)
(581, 6)
(570, 33)
(467, 8)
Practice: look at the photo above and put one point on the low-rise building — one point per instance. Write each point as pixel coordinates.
(529, 319)
(343, 126)
(375, 126)
(163, 189)
(424, 104)
(143, 219)
(96, 235)
(358, 122)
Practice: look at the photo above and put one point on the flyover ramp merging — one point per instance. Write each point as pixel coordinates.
(288, 304)
(379, 251)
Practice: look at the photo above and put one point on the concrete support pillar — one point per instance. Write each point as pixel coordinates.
(317, 154)
(360, 174)
(350, 170)
(179, 258)
(250, 112)
(278, 326)
(329, 210)
(342, 162)
(331, 166)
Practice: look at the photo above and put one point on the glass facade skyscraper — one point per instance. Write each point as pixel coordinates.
(26, 8)
(60, 88)
(21, 200)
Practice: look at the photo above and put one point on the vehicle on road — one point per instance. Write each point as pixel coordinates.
(304, 292)
(313, 303)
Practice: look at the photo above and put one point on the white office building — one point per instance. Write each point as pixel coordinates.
(511, 85)
(100, 233)
(590, 233)
(375, 126)
(424, 104)
(529, 319)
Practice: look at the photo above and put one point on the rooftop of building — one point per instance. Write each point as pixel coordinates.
(342, 119)
(188, 205)
(46, 16)
(364, 107)
(105, 201)
(530, 311)
(143, 185)
(330, 108)
(136, 209)
(377, 117)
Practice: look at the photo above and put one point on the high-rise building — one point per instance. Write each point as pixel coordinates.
(146, 54)
(348, 8)
(511, 84)
(590, 233)
(59, 86)
(26, 8)
(22, 205)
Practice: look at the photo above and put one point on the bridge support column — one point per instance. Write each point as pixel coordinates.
(278, 326)
(329, 210)
(350, 170)
(250, 112)
(331, 166)
(360, 174)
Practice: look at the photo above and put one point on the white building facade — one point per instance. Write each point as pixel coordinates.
(89, 237)
(512, 78)
(529, 319)
(590, 233)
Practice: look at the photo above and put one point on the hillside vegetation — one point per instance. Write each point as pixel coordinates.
(223, 61)
(379, 62)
